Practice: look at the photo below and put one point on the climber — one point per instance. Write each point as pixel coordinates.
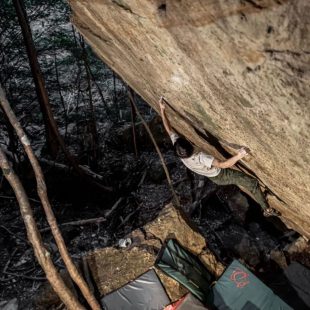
(218, 171)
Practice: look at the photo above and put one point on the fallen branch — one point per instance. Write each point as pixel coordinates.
(13, 234)
(12, 197)
(133, 126)
(143, 178)
(9, 261)
(5, 279)
(179, 181)
(34, 237)
(42, 193)
(24, 276)
(114, 207)
(87, 273)
(175, 197)
(61, 307)
(77, 223)
(88, 221)
(69, 169)
(126, 219)
(11, 155)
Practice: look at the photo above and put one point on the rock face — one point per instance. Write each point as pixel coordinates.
(234, 72)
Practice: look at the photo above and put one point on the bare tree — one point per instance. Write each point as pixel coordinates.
(41, 253)
(92, 119)
(54, 139)
(42, 193)
(174, 195)
(49, 122)
(133, 126)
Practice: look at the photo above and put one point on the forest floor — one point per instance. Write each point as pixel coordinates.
(231, 222)
(140, 194)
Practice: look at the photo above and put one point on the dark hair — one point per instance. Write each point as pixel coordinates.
(183, 148)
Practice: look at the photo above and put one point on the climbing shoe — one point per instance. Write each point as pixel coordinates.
(271, 212)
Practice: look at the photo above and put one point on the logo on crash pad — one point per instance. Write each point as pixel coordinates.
(240, 278)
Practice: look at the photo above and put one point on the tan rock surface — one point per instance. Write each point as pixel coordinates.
(237, 70)
(112, 268)
(171, 223)
(208, 259)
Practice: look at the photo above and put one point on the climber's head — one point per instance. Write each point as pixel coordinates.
(183, 148)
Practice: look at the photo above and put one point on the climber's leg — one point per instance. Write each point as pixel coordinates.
(231, 176)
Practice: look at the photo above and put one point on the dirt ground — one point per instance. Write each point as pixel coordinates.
(230, 221)
(141, 200)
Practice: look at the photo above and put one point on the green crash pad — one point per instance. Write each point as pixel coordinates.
(239, 289)
(185, 268)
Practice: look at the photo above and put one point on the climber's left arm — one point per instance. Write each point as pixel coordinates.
(164, 117)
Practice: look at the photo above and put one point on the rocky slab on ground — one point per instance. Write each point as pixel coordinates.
(112, 268)
(236, 73)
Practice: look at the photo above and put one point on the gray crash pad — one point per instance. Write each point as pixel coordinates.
(144, 293)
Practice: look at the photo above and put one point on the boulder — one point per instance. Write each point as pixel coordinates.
(235, 73)
(113, 267)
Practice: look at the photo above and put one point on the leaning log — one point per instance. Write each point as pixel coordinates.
(42, 193)
(41, 253)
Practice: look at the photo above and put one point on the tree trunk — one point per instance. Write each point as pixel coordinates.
(42, 255)
(92, 119)
(133, 126)
(42, 193)
(147, 128)
(61, 96)
(54, 138)
(12, 145)
(51, 136)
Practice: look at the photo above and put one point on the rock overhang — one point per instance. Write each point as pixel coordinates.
(235, 71)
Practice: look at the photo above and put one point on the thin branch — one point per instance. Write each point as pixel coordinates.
(114, 207)
(24, 276)
(68, 169)
(175, 197)
(78, 223)
(14, 234)
(13, 197)
(9, 261)
(62, 101)
(133, 126)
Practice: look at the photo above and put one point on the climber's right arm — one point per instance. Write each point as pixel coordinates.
(231, 161)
